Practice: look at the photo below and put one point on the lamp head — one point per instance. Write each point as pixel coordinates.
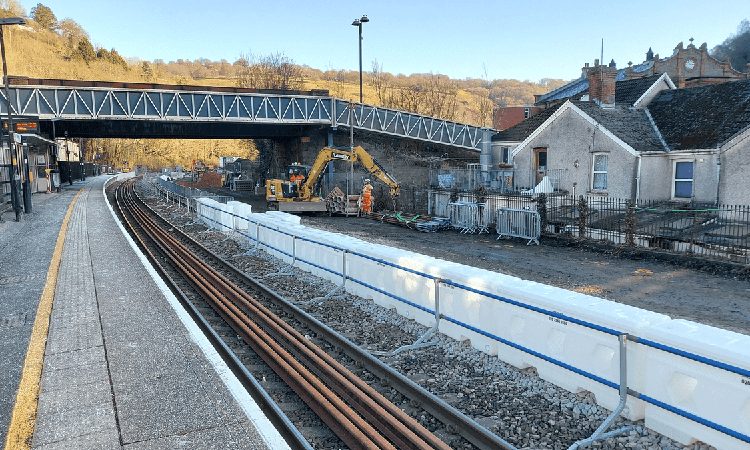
(364, 19)
(12, 21)
(356, 22)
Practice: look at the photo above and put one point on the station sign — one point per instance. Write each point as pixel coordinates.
(23, 125)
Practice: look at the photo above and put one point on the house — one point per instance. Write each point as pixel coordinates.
(504, 117)
(640, 138)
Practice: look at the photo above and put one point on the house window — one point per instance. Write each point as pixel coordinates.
(506, 154)
(683, 179)
(599, 174)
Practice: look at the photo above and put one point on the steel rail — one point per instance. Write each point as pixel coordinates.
(444, 412)
(400, 428)
(270, 408)
(343, 421)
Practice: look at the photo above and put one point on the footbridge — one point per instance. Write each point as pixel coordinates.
(100, 109)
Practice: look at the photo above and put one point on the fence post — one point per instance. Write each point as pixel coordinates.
(541, 207)
(583, 212)
(630, 224)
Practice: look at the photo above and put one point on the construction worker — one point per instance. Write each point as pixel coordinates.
(296, 177)
(366, 199)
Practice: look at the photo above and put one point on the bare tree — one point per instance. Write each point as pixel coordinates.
(736, 48)
(337, 82)
(274, 71)
(379, 82)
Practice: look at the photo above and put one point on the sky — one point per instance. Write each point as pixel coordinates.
(527, 40)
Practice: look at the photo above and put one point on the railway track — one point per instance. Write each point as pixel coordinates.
(310, 396)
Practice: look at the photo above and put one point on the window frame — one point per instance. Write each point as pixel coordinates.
(675, 180)
(594, 171)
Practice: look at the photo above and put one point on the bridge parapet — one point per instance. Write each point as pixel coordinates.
(52, 102)
(412, 126)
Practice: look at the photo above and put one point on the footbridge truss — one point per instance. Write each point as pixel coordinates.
(163, 105)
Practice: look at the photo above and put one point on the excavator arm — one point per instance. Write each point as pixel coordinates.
(374, 167)
(358, 154)
(326, 155)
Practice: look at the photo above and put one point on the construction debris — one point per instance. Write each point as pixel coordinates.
(418, 222)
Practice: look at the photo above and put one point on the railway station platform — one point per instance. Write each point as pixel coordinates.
(123, 367)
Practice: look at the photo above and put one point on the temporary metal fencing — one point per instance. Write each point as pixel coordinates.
(520, 223)
(183, 195)
(469, 217)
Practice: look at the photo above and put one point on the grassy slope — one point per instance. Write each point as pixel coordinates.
(38, 53)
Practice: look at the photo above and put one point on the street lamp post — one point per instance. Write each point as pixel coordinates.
(11, 139)
(358, 23)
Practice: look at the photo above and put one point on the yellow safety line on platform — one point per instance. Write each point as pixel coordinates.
(23, 419)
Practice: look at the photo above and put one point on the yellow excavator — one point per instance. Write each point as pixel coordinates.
(297, 192)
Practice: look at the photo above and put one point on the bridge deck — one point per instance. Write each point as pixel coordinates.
(164, 106)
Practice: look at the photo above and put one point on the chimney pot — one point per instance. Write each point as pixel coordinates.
(596, 62)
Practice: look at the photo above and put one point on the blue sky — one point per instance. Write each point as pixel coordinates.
(519, 39)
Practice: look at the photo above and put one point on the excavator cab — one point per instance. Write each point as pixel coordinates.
(297, 173)
(287, 190)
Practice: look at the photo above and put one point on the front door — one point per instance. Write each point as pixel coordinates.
(540, 164)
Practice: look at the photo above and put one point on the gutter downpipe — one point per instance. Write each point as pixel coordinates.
(718, 176)
(638, 181)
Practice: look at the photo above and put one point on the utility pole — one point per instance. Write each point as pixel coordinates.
(358, 23)
(11, 138)
(67, 159)
(350, 181)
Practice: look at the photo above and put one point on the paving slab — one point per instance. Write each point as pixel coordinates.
(26, 249)
(121, 369)
(240, 436)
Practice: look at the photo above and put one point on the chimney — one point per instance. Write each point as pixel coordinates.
(602, 85)
(585, 70)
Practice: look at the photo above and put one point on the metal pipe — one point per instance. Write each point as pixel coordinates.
(358, 23)
(11, 138)
(599, 433)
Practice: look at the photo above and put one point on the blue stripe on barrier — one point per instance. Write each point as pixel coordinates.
(393, 296)
(694, 418)
(535, 308)
(694, 357)
(606, 330)
(550, 359)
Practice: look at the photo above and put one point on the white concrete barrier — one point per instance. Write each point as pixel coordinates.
(693, 379)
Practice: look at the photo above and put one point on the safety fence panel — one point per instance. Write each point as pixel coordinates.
(521, 223)
(469, 217)
(689, 381)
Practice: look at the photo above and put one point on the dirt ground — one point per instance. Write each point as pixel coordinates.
(664, 287)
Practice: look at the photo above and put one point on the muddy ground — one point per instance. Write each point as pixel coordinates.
(719, 300)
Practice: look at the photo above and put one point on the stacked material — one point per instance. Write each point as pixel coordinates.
(243, 185)
(339, 203)
(418, 222)
(434, 225)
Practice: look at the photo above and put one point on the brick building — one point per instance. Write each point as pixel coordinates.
(687, 67)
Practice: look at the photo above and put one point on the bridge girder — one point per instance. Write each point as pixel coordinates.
(105, 112)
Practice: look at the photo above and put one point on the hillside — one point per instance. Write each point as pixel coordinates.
(52, 48)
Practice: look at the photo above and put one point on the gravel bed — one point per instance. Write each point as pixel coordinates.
(516, 404)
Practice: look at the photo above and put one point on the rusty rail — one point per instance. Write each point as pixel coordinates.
(360, 416)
